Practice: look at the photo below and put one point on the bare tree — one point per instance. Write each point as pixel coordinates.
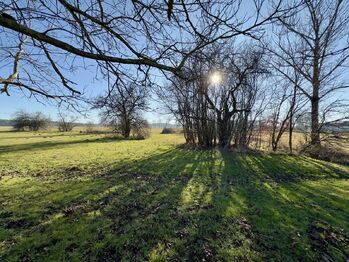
(140, 128)
(313, 41)
(286, 107)
(217, 112)
(122, 107)
(11, 79)
(65, 123)
(127, 38)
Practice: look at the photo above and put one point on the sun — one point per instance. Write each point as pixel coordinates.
(215, 78)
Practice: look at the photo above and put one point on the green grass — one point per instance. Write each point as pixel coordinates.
(87, 197)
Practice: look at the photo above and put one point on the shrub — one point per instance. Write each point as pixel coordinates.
(168, 130)
(65, 123)
(38, 121)
(89, 128)
(140, 129)
(32, 122)
(65, 126)
(327, 152)
(21, 121)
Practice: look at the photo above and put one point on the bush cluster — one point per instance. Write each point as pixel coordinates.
(168, 130)
(24, 121)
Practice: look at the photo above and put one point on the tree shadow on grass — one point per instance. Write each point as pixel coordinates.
(13, 134)
(47, 134)
(51, 144)
(171, 212)
(174, 205)
(282, 203)
(107, 204)
(286, 168)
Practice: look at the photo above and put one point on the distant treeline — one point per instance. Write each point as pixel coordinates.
(7, 122)
(163, 125)
(334, 127)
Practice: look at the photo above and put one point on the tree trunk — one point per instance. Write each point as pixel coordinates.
(290, 135)
(315, 127)
(242, 141)
(223, 133)
(127, 129)
(292, 111)
(274, 146)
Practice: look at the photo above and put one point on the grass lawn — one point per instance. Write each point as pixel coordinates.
(86, 197)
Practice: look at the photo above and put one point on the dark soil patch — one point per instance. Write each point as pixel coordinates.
(326, 240)
(18, 223)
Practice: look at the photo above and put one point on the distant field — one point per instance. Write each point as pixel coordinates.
(5, 128)
(77, 197)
